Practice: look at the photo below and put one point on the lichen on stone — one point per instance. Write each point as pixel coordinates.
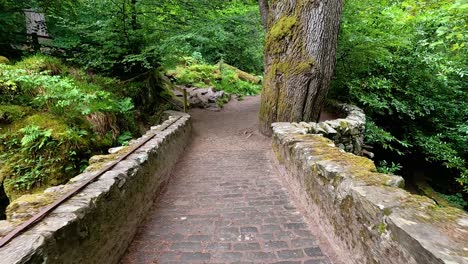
(97, 162)
(27, 205)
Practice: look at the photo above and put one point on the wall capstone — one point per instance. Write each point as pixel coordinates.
(347, 132)
(98, 223)
(364, 212)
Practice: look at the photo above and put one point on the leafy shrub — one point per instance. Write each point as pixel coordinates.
(124, 138)
(30, 83)
(385, 167)
(231, 83)
(38, 155)
(455, 200)
(405, 65)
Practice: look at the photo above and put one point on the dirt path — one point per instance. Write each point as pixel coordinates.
(225, 202)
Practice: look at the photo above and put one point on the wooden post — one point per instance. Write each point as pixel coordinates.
(185, 100)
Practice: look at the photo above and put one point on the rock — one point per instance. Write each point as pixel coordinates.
(396, 181)
(6, 227)
(328, 129)
(347, 133)
(98, 159)
(116, 149)
(316, 129)
(305, 125)
(203, 97)
(368, 154)
(28, 205)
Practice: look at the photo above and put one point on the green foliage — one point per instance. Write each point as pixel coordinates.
(11, 113)
(231, 84)
(30, 83)
(38, 156)
(127, 37)
(233, 34)
(124, 138)
(206, 75)
(404, 63)
(385, 167)
(455, 200)
(52, 118)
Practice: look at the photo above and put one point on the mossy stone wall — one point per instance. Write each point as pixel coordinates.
(97, 224)
(366, 214)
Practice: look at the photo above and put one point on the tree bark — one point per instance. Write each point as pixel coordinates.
(300, 52)
(134, 15)
(264, 6)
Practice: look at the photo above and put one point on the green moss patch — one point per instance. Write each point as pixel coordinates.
(359, 168)
(11, 113)
(99, 161)
(42, 63)
(282, 28)
(25, 206)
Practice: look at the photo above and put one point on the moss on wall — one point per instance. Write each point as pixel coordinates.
(380, 223)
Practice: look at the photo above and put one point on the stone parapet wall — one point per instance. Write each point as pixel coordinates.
(346, 132)
(363, 212)
(98, 223)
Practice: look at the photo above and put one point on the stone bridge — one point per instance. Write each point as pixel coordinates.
(232, 198)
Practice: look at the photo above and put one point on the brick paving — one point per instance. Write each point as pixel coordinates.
(225, 202)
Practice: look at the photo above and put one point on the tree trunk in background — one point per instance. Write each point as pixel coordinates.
(134, 15)
(300, 51)
(264, 11)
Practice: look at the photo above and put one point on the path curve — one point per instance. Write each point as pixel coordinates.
(225, 202)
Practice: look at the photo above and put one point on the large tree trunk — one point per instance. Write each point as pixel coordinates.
(300, 52)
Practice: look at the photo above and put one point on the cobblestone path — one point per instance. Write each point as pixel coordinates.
(225, 202)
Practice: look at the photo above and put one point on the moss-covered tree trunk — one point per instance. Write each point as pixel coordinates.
(300, 52)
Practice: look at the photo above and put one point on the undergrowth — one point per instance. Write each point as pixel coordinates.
(221, 76)
(53, 118)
